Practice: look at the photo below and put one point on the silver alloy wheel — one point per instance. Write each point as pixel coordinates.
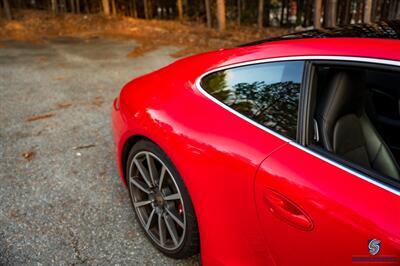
(157, 200)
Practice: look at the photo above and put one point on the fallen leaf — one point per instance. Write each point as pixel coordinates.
(14, 213)
(63, 105)
(98, 101)
(28, 155)
(83, 147)
(39, 117)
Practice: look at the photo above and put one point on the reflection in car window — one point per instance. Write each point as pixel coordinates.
(266, 93)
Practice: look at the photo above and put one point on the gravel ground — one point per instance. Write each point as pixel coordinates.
(61, 200)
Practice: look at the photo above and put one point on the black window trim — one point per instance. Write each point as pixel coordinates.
(307, 119)
(353, 59)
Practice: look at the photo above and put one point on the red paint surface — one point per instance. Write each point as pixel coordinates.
(219, 154)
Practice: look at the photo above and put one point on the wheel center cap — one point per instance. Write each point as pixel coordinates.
(159, 199)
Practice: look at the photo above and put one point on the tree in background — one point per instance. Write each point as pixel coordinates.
(54, 7)
(106, 7)
(113, 8)
(78, 6)
(330, 13)
(367, 11)
(317, 13)
(221, 15)
(180, 9)
(72, 5)
(257, 13)
(146, 9)
(260, 14)
(239, 12)
(208, 13)
(7, 9)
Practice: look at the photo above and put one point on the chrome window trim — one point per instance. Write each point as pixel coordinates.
(291, 142)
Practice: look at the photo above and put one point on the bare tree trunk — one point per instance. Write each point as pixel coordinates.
(63, 6)
(367, 11)
(307, 13)
(398, 11)
(78, 6)
(150, 9)
(54, 6)
(260, 14)
(267, 12)
(72, 4)
(146, 9)
(180, 9)
(330, 13)
(134, 9)
(221, 15)
(239, 12)
(106, 7)
(384, 10)
(362, 9)
(208, 13)
(7, 9)
(347, 15)
(393, 10)
(288, 10)
(113, 8)
(358, 12)
(374, 10)
(86, 4)
(282, 12)
(317, 13)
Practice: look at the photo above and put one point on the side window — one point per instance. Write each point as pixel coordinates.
(357, 117)
(267, 93)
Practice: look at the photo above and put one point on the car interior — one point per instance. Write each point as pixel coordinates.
(356, 117)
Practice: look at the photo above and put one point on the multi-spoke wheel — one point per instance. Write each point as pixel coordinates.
(161, 201)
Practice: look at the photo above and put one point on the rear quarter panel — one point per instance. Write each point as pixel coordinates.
(217, 154)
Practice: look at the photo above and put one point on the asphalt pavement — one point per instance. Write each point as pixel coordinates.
(61, 200)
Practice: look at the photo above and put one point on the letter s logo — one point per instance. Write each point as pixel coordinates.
(374, 245)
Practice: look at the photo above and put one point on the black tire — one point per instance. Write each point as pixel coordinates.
(190, 244)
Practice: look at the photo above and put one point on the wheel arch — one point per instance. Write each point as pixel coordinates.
(129, 143)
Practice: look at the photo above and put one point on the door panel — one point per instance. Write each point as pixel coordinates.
(345, 210)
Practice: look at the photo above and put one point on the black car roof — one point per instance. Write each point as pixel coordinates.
(379, 30)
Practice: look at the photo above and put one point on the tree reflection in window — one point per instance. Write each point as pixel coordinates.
(266, 93)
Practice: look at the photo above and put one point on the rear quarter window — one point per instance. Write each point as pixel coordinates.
(266, 93)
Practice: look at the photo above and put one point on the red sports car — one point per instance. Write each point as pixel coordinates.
(280, 152)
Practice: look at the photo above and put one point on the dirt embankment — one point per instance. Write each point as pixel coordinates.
(37, 26)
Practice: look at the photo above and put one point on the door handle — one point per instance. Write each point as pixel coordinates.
(287, 210)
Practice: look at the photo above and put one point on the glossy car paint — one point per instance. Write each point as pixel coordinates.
(227, 164)
(345, 210)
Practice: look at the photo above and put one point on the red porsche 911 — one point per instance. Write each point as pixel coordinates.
(280, 152)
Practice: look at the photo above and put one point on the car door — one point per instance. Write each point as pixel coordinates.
(316, 211)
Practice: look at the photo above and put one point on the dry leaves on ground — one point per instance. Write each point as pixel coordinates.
(192, 37)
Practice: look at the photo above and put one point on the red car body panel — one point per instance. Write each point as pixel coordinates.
(227, 163)
(345, 211)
